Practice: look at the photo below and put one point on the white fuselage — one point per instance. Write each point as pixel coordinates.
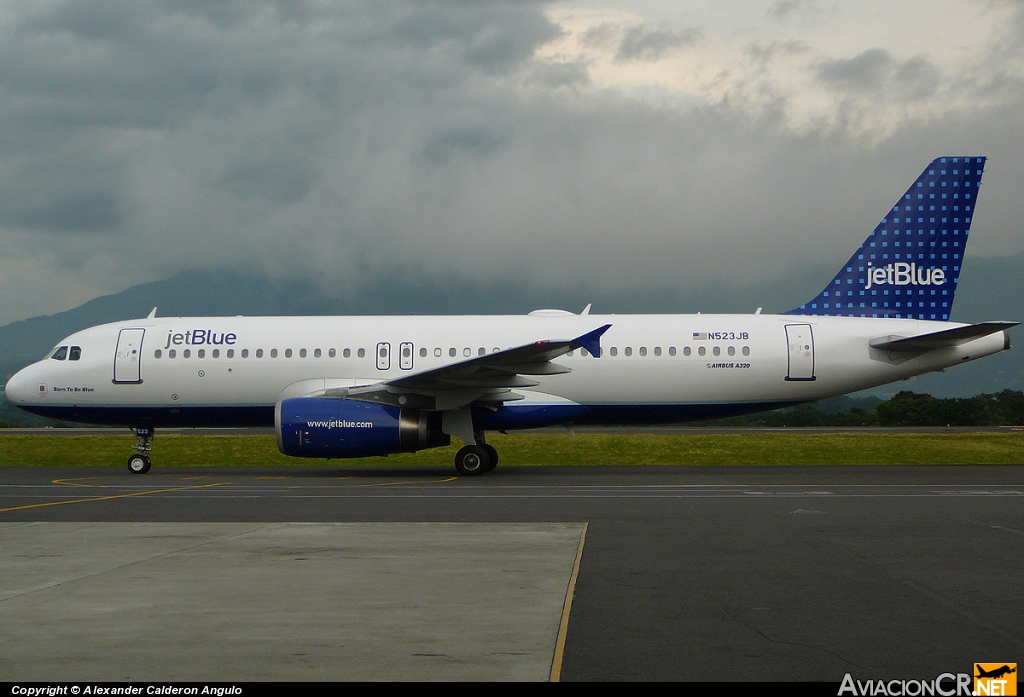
(652, 367)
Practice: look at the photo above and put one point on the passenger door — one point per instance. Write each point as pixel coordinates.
(801, 352)
(128, 356)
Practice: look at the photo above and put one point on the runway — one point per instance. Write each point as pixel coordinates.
(687, 573)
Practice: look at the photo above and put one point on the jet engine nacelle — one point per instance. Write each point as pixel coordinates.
(326, 427)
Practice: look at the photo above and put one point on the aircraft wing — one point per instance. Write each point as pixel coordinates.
(487, 379)
(940, 339)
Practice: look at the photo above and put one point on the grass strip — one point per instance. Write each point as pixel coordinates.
(198, 450)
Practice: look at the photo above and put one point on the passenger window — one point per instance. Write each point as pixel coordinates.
(259, 353)
(643, 350)
(629, 351)
(686, 350)
(347, 353)
(157, 353)
(701, 351)
(332, 353)
(614, 351)
(317, 353)
(76, 353)
(423, 353)
(201, 353)
(172, 354)
(671, 350)
(302, 353)
(717, 351)
(746, 350)
(273, 353)
(231, 353)
(437, 353)
(186, 353)
(451, 352)
(481, 351)
(287, 353)
(216, 353)
(571, 353)
(60, 354)
(361, 353)
(467, 352)
(657, 350)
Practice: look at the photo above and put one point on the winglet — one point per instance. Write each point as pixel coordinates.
(152, 314)
(591, 341)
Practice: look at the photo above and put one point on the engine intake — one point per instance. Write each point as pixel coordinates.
(325, 427)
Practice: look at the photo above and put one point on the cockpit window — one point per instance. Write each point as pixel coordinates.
(75, 354)
(60, 354)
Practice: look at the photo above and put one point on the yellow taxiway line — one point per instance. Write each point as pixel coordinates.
(109, 498)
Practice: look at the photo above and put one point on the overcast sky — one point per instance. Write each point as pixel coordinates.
(615, 145)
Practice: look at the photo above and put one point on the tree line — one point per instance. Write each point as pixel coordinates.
(906, 408)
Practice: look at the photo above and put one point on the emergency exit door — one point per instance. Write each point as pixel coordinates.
(128, 356)
(801, 352)
(383, 356)
(405, 355)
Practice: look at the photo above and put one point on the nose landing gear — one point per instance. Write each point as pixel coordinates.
(139, 463)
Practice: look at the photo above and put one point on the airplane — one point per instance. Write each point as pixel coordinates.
(994, 673)
(346, 387)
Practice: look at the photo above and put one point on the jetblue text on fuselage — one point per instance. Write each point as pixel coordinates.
(200, 337)
(904, 274)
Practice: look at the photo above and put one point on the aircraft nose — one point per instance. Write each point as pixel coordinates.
(20, 388)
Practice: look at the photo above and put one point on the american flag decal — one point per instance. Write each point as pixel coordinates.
(700, 336)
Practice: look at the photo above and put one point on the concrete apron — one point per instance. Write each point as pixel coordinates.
(282, 601)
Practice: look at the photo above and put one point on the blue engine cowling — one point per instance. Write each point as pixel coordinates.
(324, 427)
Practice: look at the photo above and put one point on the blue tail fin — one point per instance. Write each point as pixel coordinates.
(909, 266)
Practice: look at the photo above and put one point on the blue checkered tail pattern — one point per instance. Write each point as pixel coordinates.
(910, 264)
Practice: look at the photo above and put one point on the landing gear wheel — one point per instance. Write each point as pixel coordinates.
(492, 455)
(472, 461)
(139, 464)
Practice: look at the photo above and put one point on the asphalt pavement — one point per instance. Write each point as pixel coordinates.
(686, 573)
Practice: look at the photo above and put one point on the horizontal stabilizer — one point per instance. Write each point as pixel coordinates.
(940, 339)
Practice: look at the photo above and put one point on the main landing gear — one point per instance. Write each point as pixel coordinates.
(139, 463)
(474, 460)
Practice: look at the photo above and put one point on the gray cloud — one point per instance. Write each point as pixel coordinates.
(875, 71)
(563, 74)
(279, 180)
(765, 53)
(865, 72)
(604, 34)
(639, 42)
(352, 142)
(785, 7)
(472, 141)
(916, 79)
(495, 36)
(645, 42)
